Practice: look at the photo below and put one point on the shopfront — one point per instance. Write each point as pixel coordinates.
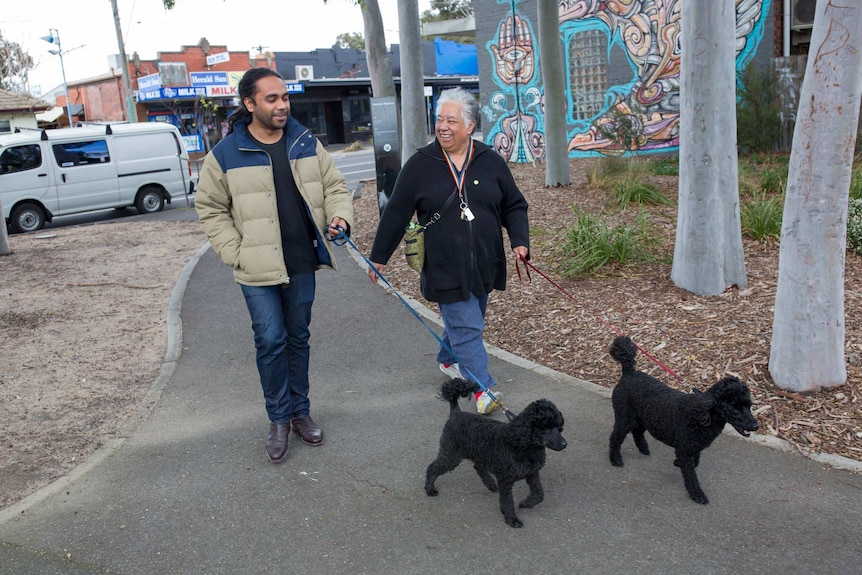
(200, 110)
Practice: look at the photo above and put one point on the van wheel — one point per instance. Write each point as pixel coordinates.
(26, 217)
(150, 200)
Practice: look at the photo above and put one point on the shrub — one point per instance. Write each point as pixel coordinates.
(749, 178)
(758, 110)
(854, 225)
(623, 127)
(771, 181)
(856, 184)
(761, 216)
(603, 173)
(592, 244)
(665, 166)
(633, 190)
(608, 172)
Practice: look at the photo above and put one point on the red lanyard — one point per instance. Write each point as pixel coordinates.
(456, 175)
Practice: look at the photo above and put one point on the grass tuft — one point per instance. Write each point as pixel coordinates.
(593, 244)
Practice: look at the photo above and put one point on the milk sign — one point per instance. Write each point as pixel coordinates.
(221, 91)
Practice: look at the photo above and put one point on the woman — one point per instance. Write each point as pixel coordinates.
(470, 187)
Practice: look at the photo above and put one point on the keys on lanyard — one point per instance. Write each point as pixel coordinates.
(458, 176)
(466, 213)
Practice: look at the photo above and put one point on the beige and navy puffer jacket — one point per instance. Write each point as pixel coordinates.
(236, 202)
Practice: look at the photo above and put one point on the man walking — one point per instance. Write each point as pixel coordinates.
(268, 193)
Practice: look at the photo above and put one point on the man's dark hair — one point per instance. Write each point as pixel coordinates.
(246, 89)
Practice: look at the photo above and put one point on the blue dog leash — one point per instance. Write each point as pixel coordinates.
(341, 239)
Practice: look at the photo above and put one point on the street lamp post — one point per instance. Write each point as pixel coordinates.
(53, 37)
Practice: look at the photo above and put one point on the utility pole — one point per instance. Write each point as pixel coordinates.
(131, 112)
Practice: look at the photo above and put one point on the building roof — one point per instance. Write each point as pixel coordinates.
(52, 114)
(12, 102)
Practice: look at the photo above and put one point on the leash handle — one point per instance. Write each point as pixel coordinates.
(526, 271)
(528, 266)
(341, 237)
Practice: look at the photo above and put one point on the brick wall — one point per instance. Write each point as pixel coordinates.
(104, 101)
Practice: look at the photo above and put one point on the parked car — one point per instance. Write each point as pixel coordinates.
(48, 173)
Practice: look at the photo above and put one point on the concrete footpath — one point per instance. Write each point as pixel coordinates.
(188, 490)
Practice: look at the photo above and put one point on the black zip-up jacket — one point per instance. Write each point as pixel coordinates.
(460, 257)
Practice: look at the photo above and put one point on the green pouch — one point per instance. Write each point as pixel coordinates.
(414, 246)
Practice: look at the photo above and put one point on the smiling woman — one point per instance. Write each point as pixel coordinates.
(465, 254)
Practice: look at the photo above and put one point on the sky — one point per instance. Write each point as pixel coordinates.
(88, 35)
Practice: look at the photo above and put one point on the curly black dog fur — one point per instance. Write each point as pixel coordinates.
(687, 422)
(508, 452)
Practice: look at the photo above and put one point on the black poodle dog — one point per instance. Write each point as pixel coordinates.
(508, 452)
(687, 422)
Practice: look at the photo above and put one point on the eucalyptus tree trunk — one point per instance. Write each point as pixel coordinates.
(414, 131)
(808, 328)
(708, 254)
(379, 64)
(551, 61)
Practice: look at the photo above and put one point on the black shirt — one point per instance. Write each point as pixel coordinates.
(297, 231)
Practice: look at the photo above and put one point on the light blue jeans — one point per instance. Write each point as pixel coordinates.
(463, 327)
(280, 316)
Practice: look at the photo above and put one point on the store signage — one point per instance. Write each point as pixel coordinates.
(208, 78)
(175, 93)
(193, 143)
(149, 82)
(218, 58)
(221, 91)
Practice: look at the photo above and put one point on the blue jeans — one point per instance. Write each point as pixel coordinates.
(280, 316)
(463, 326)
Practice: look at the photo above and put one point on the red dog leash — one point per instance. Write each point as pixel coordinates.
(528, 266)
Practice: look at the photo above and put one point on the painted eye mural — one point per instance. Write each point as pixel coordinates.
(622, 61)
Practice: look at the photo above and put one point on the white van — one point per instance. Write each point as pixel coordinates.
(48, 173)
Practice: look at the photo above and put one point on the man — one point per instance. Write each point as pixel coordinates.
(268, 193)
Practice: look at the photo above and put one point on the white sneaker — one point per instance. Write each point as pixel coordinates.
(451, 369)
(486, 405)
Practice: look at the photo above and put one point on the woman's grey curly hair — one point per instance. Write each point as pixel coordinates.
(469, 104)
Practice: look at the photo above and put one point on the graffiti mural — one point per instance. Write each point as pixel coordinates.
(606, 114)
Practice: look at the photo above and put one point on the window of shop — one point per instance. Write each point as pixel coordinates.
(173, 74)
(310, 115)
(360, 116)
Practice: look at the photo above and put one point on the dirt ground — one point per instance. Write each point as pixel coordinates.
(83, 333)
(83, 327)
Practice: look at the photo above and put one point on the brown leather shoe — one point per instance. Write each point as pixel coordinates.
(308, 431)
(276, 441)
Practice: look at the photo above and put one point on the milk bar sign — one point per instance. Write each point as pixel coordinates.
(178, 93)
(218, 58)
(221, 91)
